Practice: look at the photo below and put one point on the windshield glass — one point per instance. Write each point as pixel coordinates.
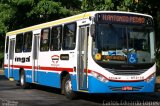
(120, 44)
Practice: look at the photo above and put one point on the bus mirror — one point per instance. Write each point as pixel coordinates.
(93, 30)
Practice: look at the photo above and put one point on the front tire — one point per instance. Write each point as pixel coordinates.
(23, 83)
(67, 87)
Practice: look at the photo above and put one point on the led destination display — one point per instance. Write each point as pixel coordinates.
(120, 18)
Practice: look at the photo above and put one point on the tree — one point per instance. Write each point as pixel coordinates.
(24, 13)
(16, 14)
(6, 14)
(125, 5)
(90, 5)
(46, 10)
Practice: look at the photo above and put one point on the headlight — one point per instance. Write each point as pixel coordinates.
(99, 76)
(150, 77)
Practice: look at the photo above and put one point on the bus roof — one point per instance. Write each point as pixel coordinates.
(66, 20)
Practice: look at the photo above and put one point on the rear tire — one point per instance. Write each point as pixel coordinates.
(23, 83)
(67, 87)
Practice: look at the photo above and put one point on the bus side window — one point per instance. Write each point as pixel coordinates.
(27, 44)
(7, 41)
(69, 37)
(44, 46)
(19, 43)
(56, 35)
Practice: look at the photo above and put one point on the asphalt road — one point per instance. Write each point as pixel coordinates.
(12, 95)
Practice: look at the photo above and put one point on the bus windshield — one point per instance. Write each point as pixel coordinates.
(122, 44)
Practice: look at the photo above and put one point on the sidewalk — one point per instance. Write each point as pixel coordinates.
(1, 72)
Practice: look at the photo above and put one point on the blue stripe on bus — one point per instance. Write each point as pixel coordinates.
(15, 73)
(74, 82)
(94, 85)
(43, 78)
(48, 79)
(6, 72)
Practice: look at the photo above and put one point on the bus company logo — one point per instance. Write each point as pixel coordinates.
(55, 59)
(22, 59)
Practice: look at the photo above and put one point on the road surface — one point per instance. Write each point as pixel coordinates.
(12, 95)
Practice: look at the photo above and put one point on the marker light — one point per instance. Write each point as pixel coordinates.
(99, 76)
(150, 77)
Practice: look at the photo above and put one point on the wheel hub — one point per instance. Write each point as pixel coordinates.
(68, 87)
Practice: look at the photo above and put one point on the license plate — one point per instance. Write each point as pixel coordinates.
(127, 88)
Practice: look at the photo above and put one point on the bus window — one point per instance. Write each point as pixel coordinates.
(19, 42)
(69, 38)
(44, 46)
(7, 41)
(56, 36)
(27, 44)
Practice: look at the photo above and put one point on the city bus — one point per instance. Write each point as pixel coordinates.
(98, 52)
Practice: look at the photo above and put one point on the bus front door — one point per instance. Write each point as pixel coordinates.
(11, 57)
(83, 58)
(35, 58)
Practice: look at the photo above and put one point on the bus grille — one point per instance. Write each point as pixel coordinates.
(120, 88)
(126, 72)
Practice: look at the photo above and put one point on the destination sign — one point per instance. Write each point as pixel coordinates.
(123, 18)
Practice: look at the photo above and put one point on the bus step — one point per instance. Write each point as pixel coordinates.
(83, 90)
(11, 79)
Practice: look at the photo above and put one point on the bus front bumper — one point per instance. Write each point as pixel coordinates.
(96, 86)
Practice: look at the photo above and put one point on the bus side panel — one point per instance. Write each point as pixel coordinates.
(11, 72)
(6, 72)
(28, 74)
(74, 82)
(16, 74)
(96, 86)
(49, 79)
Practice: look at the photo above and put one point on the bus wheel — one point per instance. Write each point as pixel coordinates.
(67, 86)
(23, 82)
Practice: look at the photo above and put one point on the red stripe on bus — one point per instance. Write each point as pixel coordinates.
(57, 69)
(87, 71)
(42, 68)
(5, 65)
(20, 66)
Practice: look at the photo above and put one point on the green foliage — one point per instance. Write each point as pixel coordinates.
(6, 14)
(1, 55)
(23, 2)
(125, 5)
(3, 28)
(46, 9)
(1, 59)
(16, 14)
(90, 5)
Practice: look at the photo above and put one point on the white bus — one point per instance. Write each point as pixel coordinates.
(93, 52)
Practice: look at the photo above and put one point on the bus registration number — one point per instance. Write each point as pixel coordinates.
(127, 88)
